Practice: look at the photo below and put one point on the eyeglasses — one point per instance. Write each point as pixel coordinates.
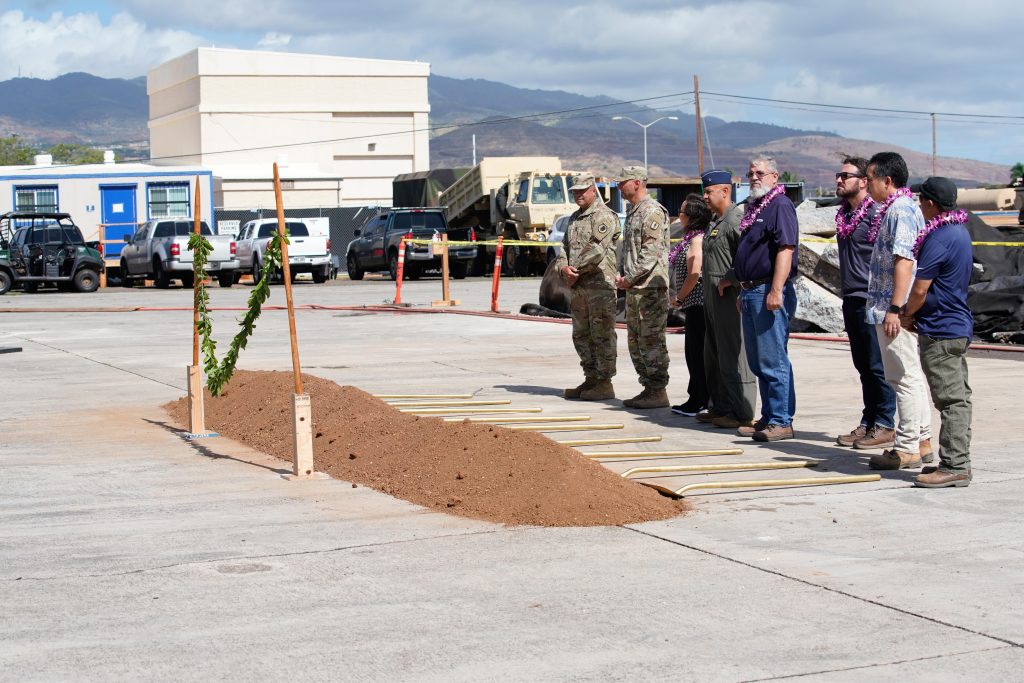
(760, 174)
(844, 176)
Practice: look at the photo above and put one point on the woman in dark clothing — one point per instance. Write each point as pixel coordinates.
(685, 262)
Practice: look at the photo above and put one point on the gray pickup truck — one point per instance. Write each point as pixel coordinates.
(158, 251)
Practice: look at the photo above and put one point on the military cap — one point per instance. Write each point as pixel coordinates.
(582, 181)
(632, 173)
(709, 178)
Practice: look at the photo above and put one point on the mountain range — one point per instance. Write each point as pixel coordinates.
(506, 120)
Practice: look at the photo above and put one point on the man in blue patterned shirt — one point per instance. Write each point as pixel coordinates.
(894, 231)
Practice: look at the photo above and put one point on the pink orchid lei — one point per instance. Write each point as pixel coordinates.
(682, 244)
(876, 224)
(845, 224)
(945, 218)
(755, 207)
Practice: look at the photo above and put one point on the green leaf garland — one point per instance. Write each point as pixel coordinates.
(218, 373)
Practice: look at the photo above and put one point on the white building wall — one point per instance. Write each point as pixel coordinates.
(357, 121)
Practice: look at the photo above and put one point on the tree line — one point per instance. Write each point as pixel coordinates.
(16, 152)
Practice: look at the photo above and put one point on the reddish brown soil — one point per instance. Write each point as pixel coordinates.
(469, 469)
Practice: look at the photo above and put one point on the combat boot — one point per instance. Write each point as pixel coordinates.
(601, 390)
(648, 398)
(575, 392)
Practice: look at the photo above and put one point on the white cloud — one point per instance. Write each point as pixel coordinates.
(58, 44)
(274, 41)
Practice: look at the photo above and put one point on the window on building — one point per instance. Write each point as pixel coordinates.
(168, 199)
(37, 198)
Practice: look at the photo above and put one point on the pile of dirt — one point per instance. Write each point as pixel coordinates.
(474, 470)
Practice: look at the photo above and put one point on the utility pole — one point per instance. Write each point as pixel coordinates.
(474, 149)
(700, 137)
(934, 149)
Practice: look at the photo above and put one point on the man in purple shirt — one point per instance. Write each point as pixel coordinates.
(853, 220)
(938, 309)
(764, 266)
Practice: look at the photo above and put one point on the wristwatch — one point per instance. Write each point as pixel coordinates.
(898, 310)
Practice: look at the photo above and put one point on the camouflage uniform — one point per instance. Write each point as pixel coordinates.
(645, 268)
(589, 247)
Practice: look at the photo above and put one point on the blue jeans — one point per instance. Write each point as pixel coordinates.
(766, 339)
(879, 398)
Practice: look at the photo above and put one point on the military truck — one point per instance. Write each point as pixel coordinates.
(515, 197)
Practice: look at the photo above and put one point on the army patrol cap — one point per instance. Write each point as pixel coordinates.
(632, 173)
(582, 181)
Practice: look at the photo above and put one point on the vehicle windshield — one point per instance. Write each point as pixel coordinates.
(548, 190)
(184, 228)
(419, 221)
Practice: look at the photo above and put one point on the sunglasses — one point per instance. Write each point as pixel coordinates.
(844, 176)
(759, 174)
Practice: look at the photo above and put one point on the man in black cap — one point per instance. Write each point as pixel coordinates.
(731, 385)
(937, 308)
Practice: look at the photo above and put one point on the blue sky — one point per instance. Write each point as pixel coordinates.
(930, 56)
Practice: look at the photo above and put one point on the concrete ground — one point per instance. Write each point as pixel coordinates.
(129, 553)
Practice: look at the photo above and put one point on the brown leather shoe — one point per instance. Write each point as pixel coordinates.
(925, 449)
(575, 392)
(941, 479)
(877, 437)
(601, 391)
(848, 439)
(748, 430)
(729, 422)
(894, 460)
(708, 416)
(773, 432)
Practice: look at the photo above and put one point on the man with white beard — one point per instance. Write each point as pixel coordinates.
(764, 265)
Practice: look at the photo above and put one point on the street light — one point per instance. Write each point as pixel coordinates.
(645, 127)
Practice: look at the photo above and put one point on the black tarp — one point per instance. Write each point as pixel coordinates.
(996, 294)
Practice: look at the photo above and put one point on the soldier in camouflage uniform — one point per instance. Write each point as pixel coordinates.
(587, 263)
(645, 279)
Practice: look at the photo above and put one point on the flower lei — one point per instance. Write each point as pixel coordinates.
(876, 224)
(945, 218)
(682, 245)
(754, 208)
(846, 225)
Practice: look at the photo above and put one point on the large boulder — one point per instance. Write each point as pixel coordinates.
(816, 306)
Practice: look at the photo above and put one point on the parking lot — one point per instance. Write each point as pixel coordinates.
(128, 553)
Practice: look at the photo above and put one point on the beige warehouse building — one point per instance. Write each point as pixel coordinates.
(340, 128)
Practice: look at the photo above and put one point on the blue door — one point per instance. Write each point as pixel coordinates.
(118, 217)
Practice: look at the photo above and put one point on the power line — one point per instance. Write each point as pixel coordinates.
(881, 109)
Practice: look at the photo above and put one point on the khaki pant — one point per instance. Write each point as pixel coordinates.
(945, 367)
(903, 372)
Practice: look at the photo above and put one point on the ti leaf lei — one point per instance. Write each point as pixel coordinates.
(218, 374)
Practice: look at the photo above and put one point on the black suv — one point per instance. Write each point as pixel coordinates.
(46, 248)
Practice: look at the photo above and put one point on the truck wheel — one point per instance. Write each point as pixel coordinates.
(30, 287)
(412, 272)
(514, 262)
(188, 281)
(257, 272)
(87, 280)
(458, 270)
(226, 278)
(320, 276)
(393, 264)
(354, 271)
(161, 278)
(501, 199)
(5, 282)
(125, 280)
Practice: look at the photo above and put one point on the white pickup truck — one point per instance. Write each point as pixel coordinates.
(159, 251)
(307, 252)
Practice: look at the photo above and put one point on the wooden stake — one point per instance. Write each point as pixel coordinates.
(599, 442)
(634, 455)
(446, 300)
(468, 411)
(448, 404)
(391, 396)
(287, 274)
(302, 412)
(516, 420)
(196, 414)
(564, 428)
(720, 467)
(762, 483)
(196, 411)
